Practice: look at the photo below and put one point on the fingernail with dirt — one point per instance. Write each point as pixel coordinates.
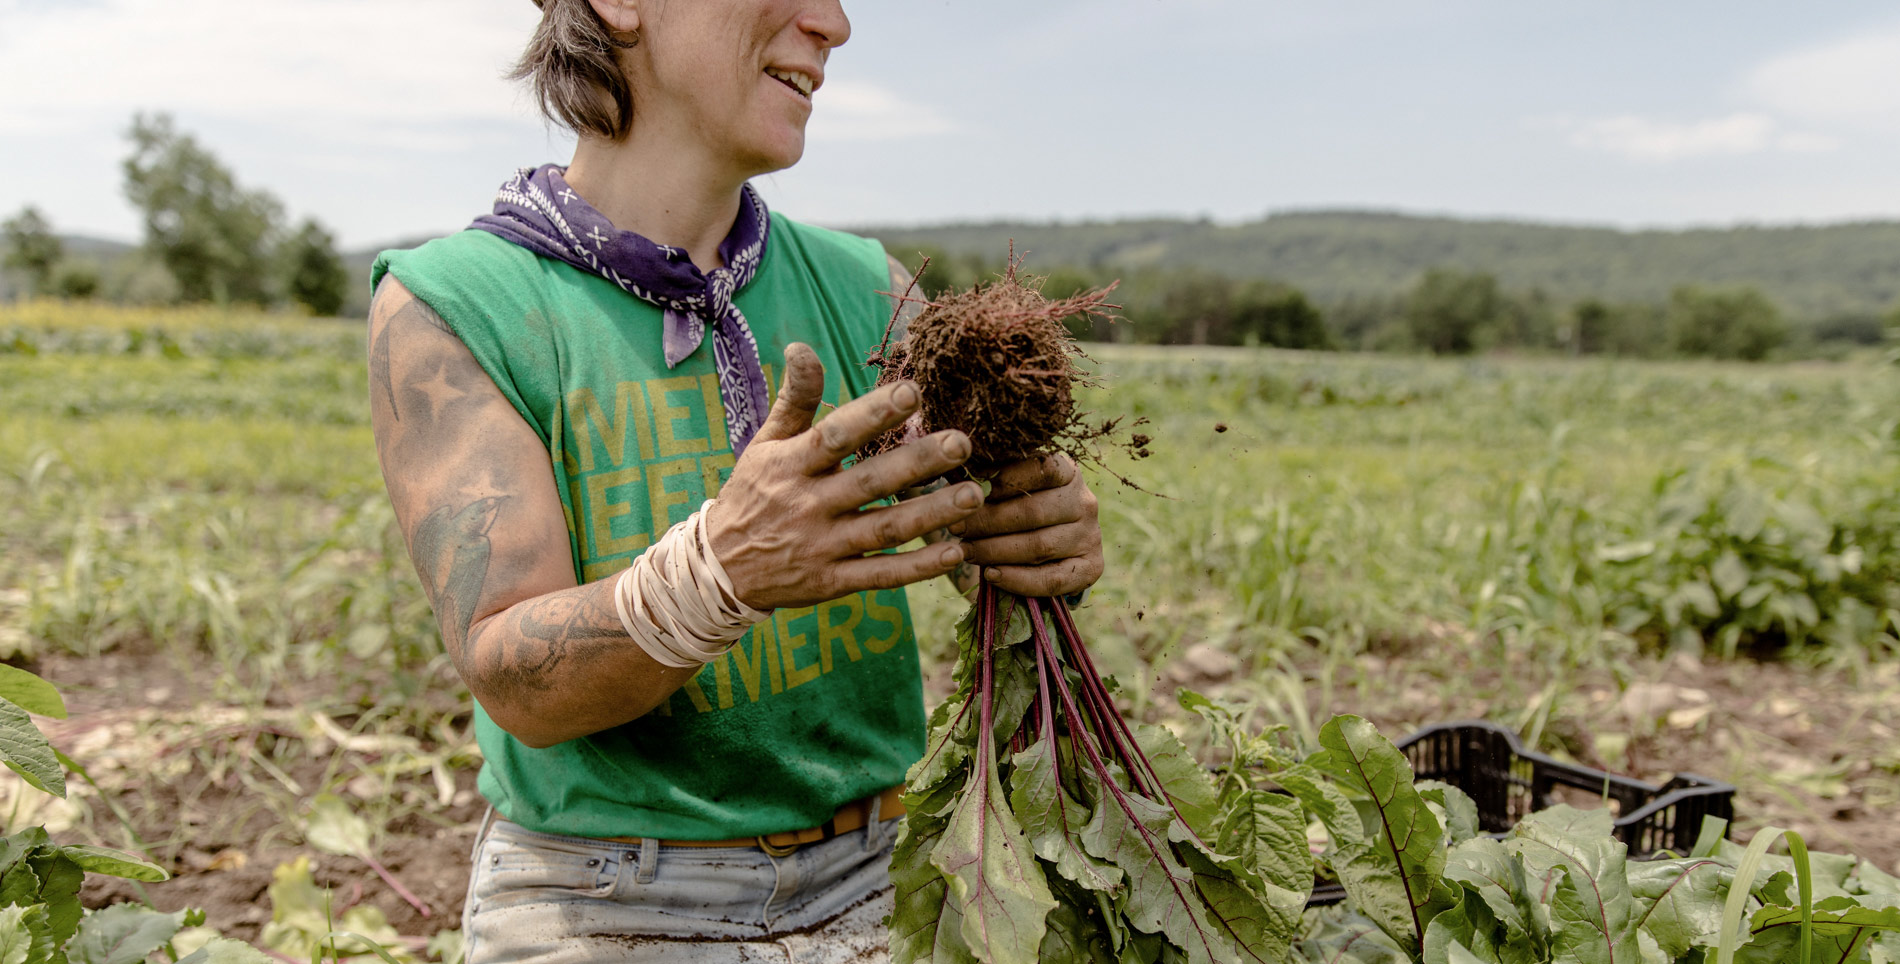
(967, 497)
(905, 397)
(956, 445)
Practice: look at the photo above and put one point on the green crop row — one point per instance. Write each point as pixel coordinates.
(223, 502)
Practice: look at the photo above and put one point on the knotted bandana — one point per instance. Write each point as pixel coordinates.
(537, 210)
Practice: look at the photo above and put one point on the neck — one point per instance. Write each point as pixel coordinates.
(663, 192)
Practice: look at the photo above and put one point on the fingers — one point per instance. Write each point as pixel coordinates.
(890, 527)
(893, 569)
(854, 423)
(1032, 475)
(894, 471)
(1070, 503)
(1033, 548)
(1055, 579)
(798, 396)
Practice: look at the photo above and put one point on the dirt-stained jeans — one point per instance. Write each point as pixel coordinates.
(552, 899)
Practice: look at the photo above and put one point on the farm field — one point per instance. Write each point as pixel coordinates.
(1646, 567)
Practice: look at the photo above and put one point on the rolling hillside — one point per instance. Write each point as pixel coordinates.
(1813, 272)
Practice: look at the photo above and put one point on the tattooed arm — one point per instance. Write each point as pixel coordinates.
(476, 499)
(475, 495)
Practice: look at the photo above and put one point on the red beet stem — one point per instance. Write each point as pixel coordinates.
(1110, 728)
(1046, 649)
(1093, 678)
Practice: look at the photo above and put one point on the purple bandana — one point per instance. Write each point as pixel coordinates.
(537, 210)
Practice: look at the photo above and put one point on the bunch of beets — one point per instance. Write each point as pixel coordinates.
(1042, 826)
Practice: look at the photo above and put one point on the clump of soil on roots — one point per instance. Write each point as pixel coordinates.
(997, 363)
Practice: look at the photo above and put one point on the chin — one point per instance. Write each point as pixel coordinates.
(780, 153)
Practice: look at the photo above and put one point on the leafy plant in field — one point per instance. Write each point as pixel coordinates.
(1729, 561)
(1423, 885)
(1031, 837)
(334, 828)
(41, 920)
(1043, 827)
(302, 926)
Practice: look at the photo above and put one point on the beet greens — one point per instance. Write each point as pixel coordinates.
(1043, 827)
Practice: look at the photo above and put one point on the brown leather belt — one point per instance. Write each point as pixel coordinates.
(852, 816)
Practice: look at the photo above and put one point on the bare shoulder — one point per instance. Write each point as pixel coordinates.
(395, 303)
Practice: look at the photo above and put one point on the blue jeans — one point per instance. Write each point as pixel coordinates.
(553, 899)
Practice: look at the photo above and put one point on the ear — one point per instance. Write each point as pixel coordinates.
(620, 16)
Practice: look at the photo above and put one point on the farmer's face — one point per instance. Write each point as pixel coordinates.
(734, 77)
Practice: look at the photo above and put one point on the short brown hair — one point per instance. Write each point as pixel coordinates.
(572, 65)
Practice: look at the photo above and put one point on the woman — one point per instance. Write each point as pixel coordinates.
(696, 687)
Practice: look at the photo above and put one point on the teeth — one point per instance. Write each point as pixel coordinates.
(795, 78)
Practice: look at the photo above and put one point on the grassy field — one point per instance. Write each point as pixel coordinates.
(1648, 567)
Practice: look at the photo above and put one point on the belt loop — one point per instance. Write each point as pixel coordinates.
(649, 860)
(871, 835)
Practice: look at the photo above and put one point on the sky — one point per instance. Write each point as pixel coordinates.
(388, 119)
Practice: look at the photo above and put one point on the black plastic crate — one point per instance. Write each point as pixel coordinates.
(1508, 783)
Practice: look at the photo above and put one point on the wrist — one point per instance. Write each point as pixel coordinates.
(677, 603)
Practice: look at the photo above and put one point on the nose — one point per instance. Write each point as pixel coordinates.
(826, 22)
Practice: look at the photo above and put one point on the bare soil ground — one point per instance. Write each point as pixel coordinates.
(1810, 749)
(217, 793)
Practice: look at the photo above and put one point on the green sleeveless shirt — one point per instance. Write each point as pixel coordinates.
(814, 707)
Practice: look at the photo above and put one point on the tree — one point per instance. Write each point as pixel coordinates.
(1893, 335)
(1279, 315)
(32, 248)
(1526, 319)
(1732, 323)
(313, 274)
(1197, 308)
(1591, 324)
(1853, 329)
(1448, 310)
(211, 234)
(78, 280)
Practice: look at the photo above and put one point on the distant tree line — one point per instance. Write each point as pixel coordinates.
(1162, 306)
(1812, 272)
(1445, 312)
(208, 239)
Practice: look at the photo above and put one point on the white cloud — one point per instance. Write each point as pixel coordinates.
(1856, 80)
(362, 61)
(1651, 139)
(844, 110)
(1805, 101)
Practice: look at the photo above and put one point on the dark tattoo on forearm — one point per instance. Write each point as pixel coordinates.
(576, 623)
(451, 549)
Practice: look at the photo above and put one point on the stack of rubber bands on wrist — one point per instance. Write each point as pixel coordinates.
(677, 602)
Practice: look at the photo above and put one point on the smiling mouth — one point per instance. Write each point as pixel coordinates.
(798, 81)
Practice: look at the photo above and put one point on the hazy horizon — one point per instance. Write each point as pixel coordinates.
(389, 121)
(378, 244)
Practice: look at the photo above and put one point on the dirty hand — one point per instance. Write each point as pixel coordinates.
(1037, 535)
(787, 526)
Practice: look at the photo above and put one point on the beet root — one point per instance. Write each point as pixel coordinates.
(996, 363)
